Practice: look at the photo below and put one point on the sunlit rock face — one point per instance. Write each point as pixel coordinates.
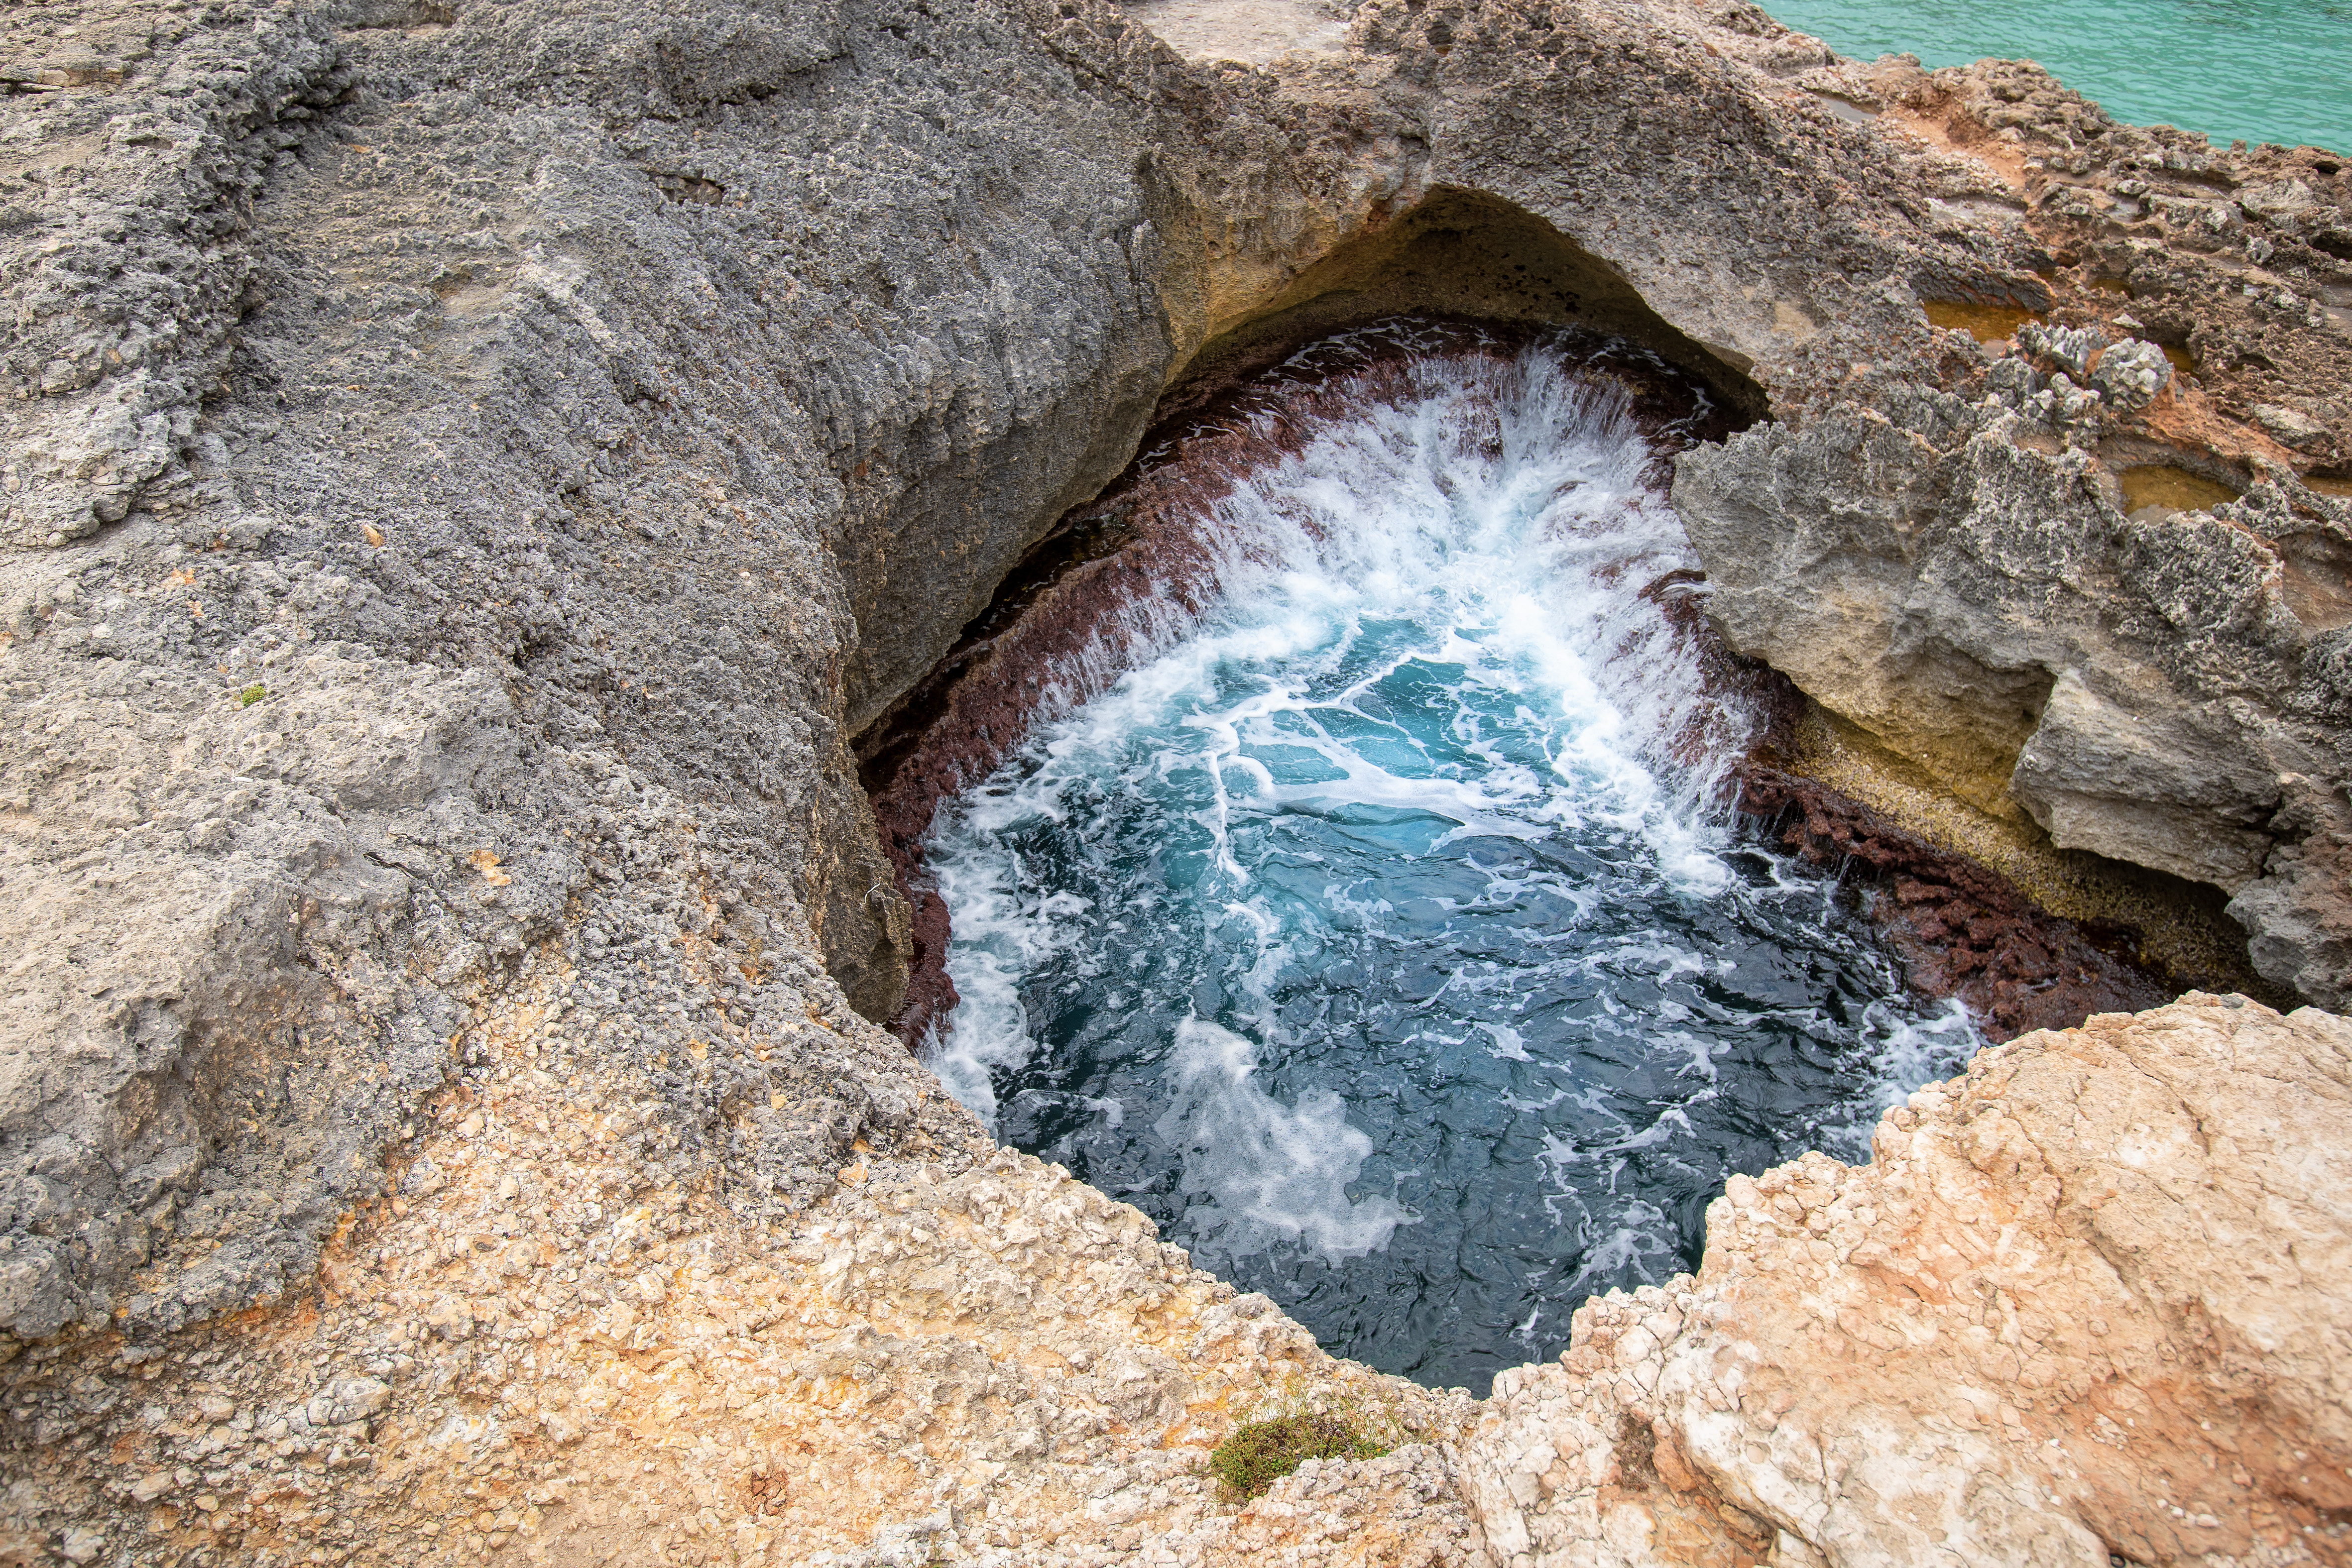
(2012, 1337)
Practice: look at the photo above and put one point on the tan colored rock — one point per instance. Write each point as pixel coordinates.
(1255, 32)
(542, 1351)
(2094, 1297)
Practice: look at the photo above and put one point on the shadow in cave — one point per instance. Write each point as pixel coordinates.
(1464, 254)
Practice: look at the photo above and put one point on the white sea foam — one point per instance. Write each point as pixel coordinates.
(1503, 508)
(1905, 1052)
(1267, 1171)
(1488, 539)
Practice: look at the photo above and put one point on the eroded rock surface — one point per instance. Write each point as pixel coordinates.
(2140, 683)
(2089, 1299)
(627, 405)
(539, 1346)
(473, 469)
(1961, 930)
(2076, 580)
(505, 590)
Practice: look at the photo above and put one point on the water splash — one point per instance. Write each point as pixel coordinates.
(1384, 934)
(1262, 1171)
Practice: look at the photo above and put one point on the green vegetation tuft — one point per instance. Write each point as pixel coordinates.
(1261, 1453)
(250, 695)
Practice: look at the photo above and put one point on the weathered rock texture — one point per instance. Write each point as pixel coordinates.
(505, 590)
(2089, 1299)
(1971, 568)
(2141, 684)
(473, 464)
(537, 1347)
(701, 373)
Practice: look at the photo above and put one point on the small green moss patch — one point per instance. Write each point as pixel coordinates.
(250, 695)
(1262, 1452)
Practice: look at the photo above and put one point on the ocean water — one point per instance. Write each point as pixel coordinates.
(2257, 70)
(1387, 939)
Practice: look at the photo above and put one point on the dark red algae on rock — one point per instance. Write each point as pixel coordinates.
(1960, 929)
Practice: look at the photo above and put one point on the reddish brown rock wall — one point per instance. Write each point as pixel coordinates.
(1961, 930)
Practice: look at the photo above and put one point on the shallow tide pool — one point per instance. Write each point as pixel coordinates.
(1387, 940)
(2257, 70)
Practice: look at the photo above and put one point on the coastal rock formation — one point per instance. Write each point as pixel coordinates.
(540, 1348)
(668, 448)
(2146, 686)
(508, 586)
(2067, 581)
(524, 580)
(537, 1347)
(2087, 1301)
(476, 467)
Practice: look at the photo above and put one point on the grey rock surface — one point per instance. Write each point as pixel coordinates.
(136, 141)
(571, 386)
(557, 428)
(2152, 688)
(474, 467)
(1956, 562)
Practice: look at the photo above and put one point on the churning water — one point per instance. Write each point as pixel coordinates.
(1387, 938)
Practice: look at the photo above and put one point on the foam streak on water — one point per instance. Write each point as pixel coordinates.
(1386, 938)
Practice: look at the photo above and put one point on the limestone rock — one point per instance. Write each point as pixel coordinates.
(2090, 1298)
(475, 468)
(2291, 427)
(965, 1356)
(2141, 685)
(2131, 374)
(724, 362)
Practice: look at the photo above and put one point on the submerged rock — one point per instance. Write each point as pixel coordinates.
(1963, 930)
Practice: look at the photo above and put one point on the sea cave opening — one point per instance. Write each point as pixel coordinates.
(1327, 843)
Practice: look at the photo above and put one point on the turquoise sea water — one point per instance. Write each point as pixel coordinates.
(2264, 70)
(1387, 940)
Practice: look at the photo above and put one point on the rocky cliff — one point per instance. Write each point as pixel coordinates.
(2082, 1303)
(473, 469)
(2092, 576)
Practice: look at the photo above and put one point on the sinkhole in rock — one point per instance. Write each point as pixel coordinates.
(1379, 923)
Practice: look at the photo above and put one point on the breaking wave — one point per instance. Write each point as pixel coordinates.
(1387, 937)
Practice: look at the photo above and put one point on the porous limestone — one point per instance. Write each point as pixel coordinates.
(2088, 1300)
(474, 465)
(537, 1344)
(1957, 564)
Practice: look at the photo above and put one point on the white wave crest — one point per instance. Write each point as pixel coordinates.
(1268, 1171)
